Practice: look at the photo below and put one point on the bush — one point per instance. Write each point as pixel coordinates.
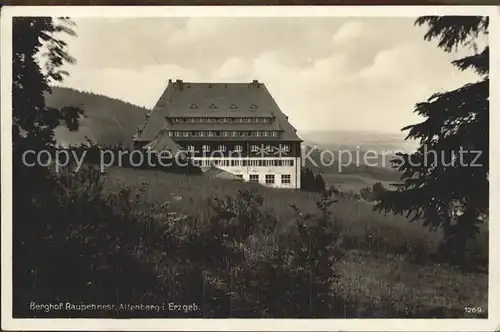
(84, 243)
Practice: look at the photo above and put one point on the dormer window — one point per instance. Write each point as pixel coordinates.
(193, 106)
(213, 106)
(253, 107)
(233, 107)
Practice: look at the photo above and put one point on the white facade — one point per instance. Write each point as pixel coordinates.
(270, 172)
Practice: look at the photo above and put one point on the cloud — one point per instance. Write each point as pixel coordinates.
(325, 73)
(349, 32)
(232, 69)
(195, 30)
(142, 87)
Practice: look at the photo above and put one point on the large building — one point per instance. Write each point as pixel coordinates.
(237, 127)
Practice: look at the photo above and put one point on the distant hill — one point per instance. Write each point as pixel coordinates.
(107, 121)
(358, 140)
(321, 162)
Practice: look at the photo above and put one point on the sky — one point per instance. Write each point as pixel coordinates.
(326, 74)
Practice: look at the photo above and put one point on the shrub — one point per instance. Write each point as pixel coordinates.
(92, 248)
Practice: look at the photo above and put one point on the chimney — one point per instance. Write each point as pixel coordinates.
(169, 80)
(255, 83)
(180, 84)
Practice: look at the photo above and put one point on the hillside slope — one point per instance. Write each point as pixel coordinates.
(107, 121)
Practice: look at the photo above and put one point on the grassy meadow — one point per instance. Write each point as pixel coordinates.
(389, 267)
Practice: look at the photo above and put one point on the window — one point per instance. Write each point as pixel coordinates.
(274, 133)
(257, 133)
(206, 148)
(254, 148)
(269, 178)
(185, 133)
(202, 133)
(238, 148)
(266, 133)
(170, 133)
(193, 106)
(240, 176)
(254, 178)
(286, 178)
(233, 107)
(235, 133)
(225, 133)
(222, 148)
(210, 133)
(285, 147)
(253, 107)
(190, 148)
(177, 134)
(213, 106)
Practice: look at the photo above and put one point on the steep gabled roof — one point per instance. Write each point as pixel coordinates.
(162, 142)
(218, 173)
(231, 100)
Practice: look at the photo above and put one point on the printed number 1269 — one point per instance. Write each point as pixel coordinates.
(473, 310)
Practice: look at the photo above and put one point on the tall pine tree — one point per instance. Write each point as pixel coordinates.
(38, 55)
(441, 186)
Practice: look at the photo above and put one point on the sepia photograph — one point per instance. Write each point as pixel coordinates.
(329, 168)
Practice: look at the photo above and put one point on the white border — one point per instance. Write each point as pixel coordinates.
(8, 323)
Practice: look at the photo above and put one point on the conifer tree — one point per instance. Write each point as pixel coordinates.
(38, 55)
(442, 186)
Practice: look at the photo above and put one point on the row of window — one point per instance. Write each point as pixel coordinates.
(244, 163)
(239, 148)
(223, 133)
(232, 106)
(222, 120)
(270, 178)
